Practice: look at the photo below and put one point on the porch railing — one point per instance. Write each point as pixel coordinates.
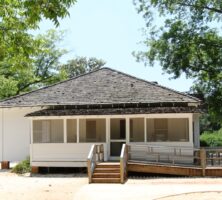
(123, 162)
(96, 154)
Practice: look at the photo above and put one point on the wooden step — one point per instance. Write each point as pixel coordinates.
(106, 180)
(108, 165)
(106, 175)
(107, 170)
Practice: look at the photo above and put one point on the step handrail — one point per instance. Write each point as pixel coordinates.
(123, 163)
(96, 154)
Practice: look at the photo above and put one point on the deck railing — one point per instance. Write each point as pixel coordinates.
(201, 157)
(164, 154)
(213, 156)
(96, 154)
(123, 163)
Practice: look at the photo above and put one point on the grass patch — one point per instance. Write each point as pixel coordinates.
(211, 139)
(22, 167)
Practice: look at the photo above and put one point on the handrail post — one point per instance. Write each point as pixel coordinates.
(89, 171)
(123, 163)
(89, 162)
(127, 158)
(203, 160)
(102, 152)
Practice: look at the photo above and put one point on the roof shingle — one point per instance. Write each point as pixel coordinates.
(103, 86)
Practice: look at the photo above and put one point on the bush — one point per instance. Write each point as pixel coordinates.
(22, 167)
(211, 139)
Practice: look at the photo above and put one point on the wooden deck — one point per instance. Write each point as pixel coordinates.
(202, 162)
(174, 170)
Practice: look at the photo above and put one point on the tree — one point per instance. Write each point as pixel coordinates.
(42, 68)
(81, 65)
(45, 68)
(17, 18)
(18, 48)
(8, 87)
(187, 41)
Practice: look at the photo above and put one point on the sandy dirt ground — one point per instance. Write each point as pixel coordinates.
(76, 187)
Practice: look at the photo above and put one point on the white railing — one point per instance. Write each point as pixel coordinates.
(123, 163)
(96, 154)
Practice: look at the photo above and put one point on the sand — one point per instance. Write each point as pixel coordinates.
(75, 186)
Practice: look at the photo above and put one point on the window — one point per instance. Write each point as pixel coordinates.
(172, 129)
(118, 129)
(48, 131)
(92, 130)
(71, 131)
(137, 130)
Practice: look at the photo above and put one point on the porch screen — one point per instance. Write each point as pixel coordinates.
(137, 130)
(92, 130)
(71, 130)
(48, 131)
(167, 130)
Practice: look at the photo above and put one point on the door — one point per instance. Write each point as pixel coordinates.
(117, 137)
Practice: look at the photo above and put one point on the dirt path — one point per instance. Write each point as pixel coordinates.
(69, 187)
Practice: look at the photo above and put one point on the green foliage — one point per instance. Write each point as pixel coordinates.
(81, 65)
(18, 47)
(211, 139)
(8, 87)
(188, 41)
(209, 123)
(22, 167)
(41, 69)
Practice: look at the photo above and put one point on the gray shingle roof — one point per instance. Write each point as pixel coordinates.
(103, 86)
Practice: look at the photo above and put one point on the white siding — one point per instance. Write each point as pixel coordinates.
(15, 132)
(62, 152)
(1, 135)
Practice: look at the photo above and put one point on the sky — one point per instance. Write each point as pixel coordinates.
(111, 30)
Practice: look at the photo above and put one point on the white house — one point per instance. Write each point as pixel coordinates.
(58, 124)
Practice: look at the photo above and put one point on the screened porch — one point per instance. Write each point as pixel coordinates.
(66, 141)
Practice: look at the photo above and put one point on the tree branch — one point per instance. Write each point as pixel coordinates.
(32, 83)
(201, 7)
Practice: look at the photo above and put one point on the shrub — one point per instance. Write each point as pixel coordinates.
(211, 139)
(22, 167)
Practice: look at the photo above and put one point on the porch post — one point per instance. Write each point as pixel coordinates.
(107, 153)
(31, 140)
(196, 130)
(191, 129)
(107, 129)
(77, 130)
(127, 130)
(31, 131)
(145, 136)
(65, 130)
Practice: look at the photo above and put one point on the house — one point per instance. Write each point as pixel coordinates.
(57, 125)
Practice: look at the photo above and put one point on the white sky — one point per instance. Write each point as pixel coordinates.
(111, 30)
